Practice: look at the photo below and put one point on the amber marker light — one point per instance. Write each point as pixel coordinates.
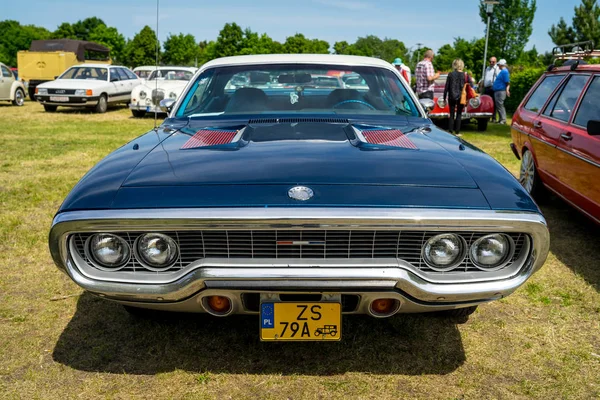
(219, 304)
(88, 92)
(384, 307)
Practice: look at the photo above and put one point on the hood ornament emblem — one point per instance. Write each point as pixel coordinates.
(300, 193)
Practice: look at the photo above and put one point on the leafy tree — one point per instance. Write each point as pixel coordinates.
(111, 38)
(230, 41)
(206, 51)
(141, 50)
(263, 44)
(510, 27)
(444, 58)
(180, 50)
(586, 25)
(373, 46)
(299, 44)
(83, 29)
(64, 31)
(15, 37)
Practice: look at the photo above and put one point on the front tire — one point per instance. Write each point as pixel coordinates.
(482, 124)
(461, 315)
(102, 105)
(49, 108)
(19, 97)
(529, 177)
(138, 113)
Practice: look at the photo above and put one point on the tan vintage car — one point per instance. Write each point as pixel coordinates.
(10, 88)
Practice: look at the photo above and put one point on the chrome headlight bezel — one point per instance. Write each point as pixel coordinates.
(475, 102)
(143, 94)
(444, 268)
(172, 95)
(103, 266)
(149, 265)
(80, 92)
(441, 103)
(510, 244)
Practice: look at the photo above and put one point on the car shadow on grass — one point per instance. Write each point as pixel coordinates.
(103, 337)
(574, 238)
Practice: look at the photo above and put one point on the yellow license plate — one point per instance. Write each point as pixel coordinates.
(300, 321)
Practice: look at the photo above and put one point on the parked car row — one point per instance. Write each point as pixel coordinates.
(11, 89)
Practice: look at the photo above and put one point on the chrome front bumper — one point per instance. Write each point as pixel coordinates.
(464, 115)
(147, 108)
(414, 292)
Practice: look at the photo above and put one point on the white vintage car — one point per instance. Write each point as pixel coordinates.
(164, 83)
(10, 88)
(88, 85)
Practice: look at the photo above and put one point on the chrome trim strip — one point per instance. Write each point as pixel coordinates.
(595, 164)
(533, 137)
(463, 115)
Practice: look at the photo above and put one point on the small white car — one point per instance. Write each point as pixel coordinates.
(144, 71)
(88, 85)
(11, 89)
(164, 83)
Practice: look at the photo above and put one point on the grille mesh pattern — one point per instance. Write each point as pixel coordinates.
(340, 244)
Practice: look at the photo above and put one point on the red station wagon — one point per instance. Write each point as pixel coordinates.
(555, 133)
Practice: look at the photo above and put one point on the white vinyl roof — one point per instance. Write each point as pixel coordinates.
(298, 59)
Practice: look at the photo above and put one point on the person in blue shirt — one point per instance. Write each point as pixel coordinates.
(502, 90)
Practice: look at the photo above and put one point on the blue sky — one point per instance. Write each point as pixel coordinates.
(432, 22)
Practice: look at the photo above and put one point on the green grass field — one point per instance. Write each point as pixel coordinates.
(57, 342)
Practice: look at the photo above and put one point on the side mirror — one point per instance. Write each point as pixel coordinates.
(593, 127)
(114, 78)
(427, 104)
(167, 105)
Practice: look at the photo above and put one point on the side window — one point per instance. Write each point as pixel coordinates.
(590, 104)
(6, 72)
(130, 74)
(545, 89)
(562, 107)
(122, 74)
(114, 75)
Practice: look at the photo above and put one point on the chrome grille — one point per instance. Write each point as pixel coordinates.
(157, 96)
(330, 244)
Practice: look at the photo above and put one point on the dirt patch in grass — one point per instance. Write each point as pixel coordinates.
(58, 342)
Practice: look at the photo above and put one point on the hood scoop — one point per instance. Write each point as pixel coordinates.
(390, 137)
(212, 137)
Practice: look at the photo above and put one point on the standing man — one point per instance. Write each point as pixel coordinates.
(502, 90)
(426, 76)
(403, 69)
(491, 72)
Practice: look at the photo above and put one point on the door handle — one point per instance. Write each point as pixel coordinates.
(566, 136)
(537, 124)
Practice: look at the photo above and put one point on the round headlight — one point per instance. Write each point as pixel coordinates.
(156, 251)
(491, 252)
(475, 102)
(444, 252)
(172, 95)
(142, 94)
(108, 252)
(441, 103)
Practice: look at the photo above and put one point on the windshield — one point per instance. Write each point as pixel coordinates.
(310, 88)
(143, 73)
(172, 75)
(95, 73)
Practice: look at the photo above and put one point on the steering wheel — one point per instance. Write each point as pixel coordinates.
(362, 103)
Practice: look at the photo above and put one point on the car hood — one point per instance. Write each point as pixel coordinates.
(299, 153)
(266, 160)
(73, 84)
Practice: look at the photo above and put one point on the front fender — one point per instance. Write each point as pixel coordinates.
(13, 89)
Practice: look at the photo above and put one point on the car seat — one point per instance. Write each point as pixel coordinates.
(339, 95)
(247, 99)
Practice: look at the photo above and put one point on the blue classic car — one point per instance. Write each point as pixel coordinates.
(265, 193)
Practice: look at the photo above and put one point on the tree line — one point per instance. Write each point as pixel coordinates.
(510, 29)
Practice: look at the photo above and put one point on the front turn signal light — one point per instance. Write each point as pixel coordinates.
(219, 304)
(88, 92)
